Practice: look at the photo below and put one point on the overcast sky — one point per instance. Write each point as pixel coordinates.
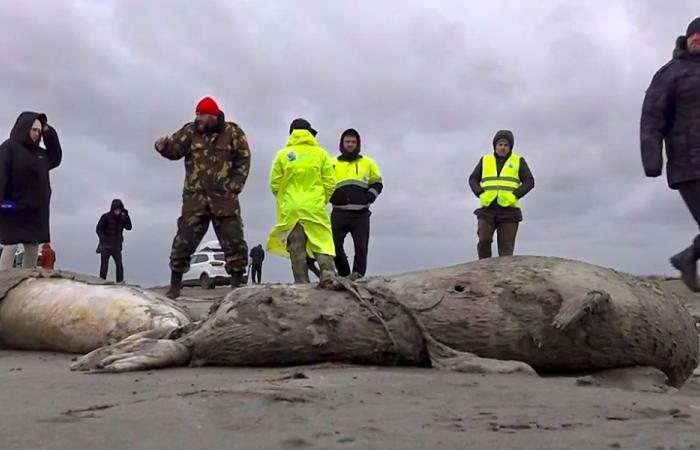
(426, 83)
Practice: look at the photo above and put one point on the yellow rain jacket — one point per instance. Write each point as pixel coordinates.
(302, 179)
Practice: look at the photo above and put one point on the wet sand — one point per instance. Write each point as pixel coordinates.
(45, 406)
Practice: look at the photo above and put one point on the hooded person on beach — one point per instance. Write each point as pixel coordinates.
(257, 256)
(25, 187)
(671, 117)
(358, 183)
(110, 230)
(302, 181)
(500, 180)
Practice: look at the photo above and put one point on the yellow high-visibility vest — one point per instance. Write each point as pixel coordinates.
(500, 187)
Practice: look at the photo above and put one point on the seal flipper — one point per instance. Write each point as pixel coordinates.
(148, 354)
(150, 349)
(574, 309)
(447, 358)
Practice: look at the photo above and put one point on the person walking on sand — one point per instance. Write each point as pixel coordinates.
(671, 116)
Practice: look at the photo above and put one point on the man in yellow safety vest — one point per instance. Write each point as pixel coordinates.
(358, 183)
(500, 180)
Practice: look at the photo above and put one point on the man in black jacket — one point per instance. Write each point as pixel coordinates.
(671, 115)
(110, 230)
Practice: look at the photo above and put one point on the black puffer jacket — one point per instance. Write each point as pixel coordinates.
(24, 180)
(671, 115)
(110, 228)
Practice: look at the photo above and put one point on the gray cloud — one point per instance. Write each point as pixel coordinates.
(427, 85)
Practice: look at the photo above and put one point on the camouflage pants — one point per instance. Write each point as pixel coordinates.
(191, 230)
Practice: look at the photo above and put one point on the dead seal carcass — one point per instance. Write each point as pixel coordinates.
(72, 313)
(500, 314)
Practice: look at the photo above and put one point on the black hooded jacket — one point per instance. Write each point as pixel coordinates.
(110, 227)
(24, 180)
(671, 115)
(257, 254)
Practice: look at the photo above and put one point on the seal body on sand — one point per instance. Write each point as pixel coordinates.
(495, 315)
(77, 314)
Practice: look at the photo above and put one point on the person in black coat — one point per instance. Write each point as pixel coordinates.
(25, 189)
(257, 256)
(110, 230)
(671, 116)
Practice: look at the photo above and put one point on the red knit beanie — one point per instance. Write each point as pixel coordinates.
(207, 105)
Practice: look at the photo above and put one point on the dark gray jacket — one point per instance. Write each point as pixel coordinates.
(671, 115)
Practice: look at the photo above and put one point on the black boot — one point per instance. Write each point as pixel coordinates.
(236, 279)
(175, 285)
(686, 263)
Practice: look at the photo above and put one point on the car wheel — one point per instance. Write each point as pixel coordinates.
(205, 282)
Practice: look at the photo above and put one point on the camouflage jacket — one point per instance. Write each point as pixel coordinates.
(216, 167)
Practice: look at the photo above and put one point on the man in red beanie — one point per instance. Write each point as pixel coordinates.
(217, 162)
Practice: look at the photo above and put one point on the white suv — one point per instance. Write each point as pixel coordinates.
(207, 269)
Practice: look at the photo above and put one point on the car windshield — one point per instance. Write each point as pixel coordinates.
(219, 257)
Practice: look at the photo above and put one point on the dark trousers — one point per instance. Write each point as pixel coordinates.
(104, 263)
(357, 224)
(506, 237)
(690, 191)
(256, 273)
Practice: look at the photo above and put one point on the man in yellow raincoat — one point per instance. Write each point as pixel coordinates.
(302, 179)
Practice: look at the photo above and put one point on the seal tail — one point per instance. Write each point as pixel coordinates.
(574, 309)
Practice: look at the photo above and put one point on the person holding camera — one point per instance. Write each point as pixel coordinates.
(110, 230)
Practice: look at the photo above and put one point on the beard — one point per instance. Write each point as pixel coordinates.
(205, 127)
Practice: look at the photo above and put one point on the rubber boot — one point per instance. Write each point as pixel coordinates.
(686, 263)
(327, 278)
(236, 279)
(300, 270)
(296, 246)
(175, 285)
